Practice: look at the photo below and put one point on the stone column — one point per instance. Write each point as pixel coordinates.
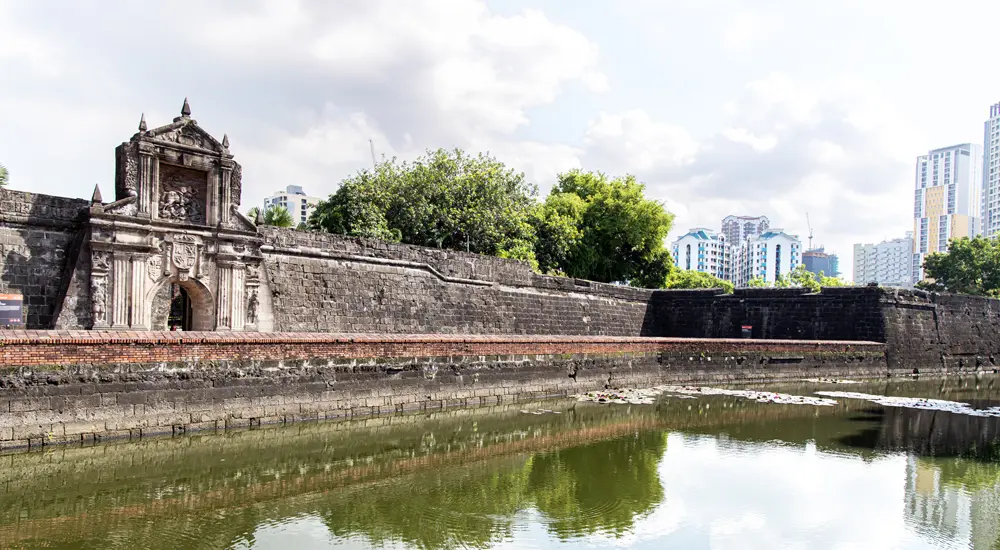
(238, 297)
(121, 281)
(137, 309)
(147, 192)
(227, 196)
(224, 311)
(212, 198)
(100, 268)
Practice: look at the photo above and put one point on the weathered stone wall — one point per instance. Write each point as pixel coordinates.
(82, 385)
(330, 283)
(922, 330)
(38, 233)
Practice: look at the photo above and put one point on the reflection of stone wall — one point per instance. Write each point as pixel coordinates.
(182, 194)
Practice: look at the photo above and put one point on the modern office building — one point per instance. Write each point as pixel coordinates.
(818, 261)
(740, 228)
(767, 256)
(990, 185)
(295, 200)
(946, 203)
(704, 250)
(888, 263)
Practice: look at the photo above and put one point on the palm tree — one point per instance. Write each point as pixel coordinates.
(3, 175)
(276, 216)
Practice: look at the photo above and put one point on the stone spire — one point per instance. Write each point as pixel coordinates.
(185, 109)
(260, 217)
(96, 198)
(142, 123)
(225, 140)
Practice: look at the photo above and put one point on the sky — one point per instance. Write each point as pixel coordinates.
(765, 107)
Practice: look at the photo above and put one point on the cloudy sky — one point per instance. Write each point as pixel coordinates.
(774, 107)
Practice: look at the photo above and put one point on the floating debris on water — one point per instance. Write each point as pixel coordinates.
(758, 396)
(645, 396)
(915, 403)
(830, 381)
(541, 411)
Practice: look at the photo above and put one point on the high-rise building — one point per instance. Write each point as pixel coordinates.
(767, 256)
(946, 202)
(990, 185)
(888, 263)
(704, 250)
(740, 228)
(295, 200)
(819, 261)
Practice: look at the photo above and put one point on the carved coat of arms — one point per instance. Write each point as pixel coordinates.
(185, 255)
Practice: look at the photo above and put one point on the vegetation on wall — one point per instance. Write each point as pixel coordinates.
(4, 175)
(800, 277)
(590, 226)
(971, 266)
(688, 278)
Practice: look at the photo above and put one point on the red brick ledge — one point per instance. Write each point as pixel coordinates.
(101, 337)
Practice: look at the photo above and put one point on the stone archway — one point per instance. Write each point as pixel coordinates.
(200, 305)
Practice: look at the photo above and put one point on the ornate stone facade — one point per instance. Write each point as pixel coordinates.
(174, 222)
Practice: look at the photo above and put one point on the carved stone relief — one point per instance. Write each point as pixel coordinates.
(182, 194)
(252, 304)
(185, 254)
(236, 183)
(99, 299)
(101, 260)
(154, 267)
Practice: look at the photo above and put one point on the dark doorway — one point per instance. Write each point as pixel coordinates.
(179, 317)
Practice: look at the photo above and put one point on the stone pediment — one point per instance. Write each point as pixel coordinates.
(186, 132)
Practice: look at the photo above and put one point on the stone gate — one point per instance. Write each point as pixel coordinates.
(173, 230)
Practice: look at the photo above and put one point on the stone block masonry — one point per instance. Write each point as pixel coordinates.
(61, 386)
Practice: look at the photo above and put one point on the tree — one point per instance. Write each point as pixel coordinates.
(971, 266)
(4, 175)
(276, 216)
(689, 278)
(619, 232)
(445, 199)
(757, 282)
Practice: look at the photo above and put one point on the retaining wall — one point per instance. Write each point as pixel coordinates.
(80, 385)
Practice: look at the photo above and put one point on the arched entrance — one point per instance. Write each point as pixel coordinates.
(179, 315)
(181, 305)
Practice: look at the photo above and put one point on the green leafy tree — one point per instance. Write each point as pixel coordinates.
(4, 175)
(689, 278)
(445, 199)
(619, 235)
(971, 266)
(799, 277)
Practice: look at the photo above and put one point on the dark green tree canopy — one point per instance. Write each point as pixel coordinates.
(971, 266)
(445, 199)
(604, 229)
(689, 278)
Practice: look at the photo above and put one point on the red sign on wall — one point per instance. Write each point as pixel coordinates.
(11, 310)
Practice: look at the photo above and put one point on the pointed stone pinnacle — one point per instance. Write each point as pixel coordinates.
(142, 123)
(96, 198)
(225, 140)
(260, 217)
(186, 109)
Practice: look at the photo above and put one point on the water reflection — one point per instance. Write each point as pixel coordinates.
(717, 472)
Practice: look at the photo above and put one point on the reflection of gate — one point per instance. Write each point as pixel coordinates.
(179, 317)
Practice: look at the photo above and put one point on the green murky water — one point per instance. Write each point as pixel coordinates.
(703, 472)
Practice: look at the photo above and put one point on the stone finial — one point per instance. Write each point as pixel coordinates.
(225, 140)
(96, 197)
(142, 123)
(186, 109)
(260, 217)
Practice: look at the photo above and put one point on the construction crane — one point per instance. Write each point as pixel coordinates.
(809, 225)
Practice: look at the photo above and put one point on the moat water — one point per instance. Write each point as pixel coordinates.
(688, 471)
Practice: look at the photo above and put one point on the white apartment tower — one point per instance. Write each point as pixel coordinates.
(990, 190)
(887, 263)
(740, 228)
(946, 202)
(295, 200)
(767, 256)
(704, 250)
